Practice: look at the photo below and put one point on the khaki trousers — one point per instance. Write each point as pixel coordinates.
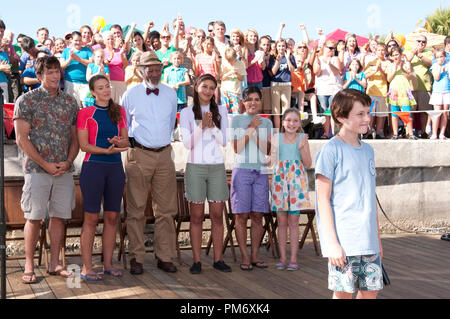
(146, 169)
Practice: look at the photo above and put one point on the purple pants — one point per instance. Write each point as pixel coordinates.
(249, 191)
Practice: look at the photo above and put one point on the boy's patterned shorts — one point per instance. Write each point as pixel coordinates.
(359, 273)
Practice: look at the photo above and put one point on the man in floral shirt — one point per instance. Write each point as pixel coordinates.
(45, 124)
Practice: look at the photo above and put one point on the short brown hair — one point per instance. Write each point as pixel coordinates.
(343, 102)
(48, 62)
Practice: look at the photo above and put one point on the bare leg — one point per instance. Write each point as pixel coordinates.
(293, 236)
(87, 241)
(241, 235)
(196, 229)
(435, 123)
(216, 214)
(55, 230)
(380, 125)
(394, 125)
(31, 235)
(109, 237)
(342, 295)
(256, 233)
(444, 121)
(367, 294)
(282, 220)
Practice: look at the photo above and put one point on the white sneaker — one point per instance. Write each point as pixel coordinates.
(428, 129)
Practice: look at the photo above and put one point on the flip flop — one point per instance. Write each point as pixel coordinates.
(30, 275)
(59, 272)
(113, 273)
(246, 267)
(260, 264)
(91, 277)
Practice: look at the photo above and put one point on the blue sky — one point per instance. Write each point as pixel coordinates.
(361, 17)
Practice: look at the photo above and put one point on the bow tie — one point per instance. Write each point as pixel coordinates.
(150, 91)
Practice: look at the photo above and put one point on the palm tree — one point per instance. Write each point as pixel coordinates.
(438, 22)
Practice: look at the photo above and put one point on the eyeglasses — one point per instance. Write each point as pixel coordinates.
(165, 37)
(302, 47)
(421, 41)
(331, 48)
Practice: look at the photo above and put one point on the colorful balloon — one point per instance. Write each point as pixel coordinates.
(401, 38)
(98, 23)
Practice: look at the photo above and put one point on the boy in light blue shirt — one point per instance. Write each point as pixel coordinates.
(346, 202)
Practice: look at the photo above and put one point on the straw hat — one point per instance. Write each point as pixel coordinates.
(149, 58)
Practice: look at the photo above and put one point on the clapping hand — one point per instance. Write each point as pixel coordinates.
(207, 120)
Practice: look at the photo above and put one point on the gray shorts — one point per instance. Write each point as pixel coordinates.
(359, 273)
(423, 100)
(42, 193)
(206, 181)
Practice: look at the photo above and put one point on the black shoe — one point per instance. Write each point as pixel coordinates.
(135, 267)
(196, 268)
(220, 265)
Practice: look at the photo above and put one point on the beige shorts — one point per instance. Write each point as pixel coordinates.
(423, 100)
(380, 106)
(266, 101)
(281, 96)
(118, 88)
(77, 90)
(42, 193)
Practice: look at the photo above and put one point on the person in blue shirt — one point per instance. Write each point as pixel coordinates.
(28, 79)
(346, 202)
(75, 61)
(355, 78)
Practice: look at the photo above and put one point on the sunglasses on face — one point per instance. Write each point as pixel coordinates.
(331, 48)
(302, 47)
(165, 37)
(210, 30)
(421, 41)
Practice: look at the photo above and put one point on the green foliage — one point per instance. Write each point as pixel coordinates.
(438, 22)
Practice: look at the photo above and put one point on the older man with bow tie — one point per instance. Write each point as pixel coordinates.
(151, 109)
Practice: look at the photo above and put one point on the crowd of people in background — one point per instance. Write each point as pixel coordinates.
(304, 74)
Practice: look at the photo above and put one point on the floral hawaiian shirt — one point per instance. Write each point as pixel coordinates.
(51, 120)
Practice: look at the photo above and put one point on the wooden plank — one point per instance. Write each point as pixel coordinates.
(40, 289)
(84, 291)
(14, 274)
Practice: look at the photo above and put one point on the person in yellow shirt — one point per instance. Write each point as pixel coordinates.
(377, 88)
(421, 60)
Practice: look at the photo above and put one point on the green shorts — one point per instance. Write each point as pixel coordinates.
(206, 181)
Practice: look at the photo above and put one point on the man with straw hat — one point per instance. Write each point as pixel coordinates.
(151, 109)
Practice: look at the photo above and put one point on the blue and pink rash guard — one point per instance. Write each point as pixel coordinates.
(96, 120)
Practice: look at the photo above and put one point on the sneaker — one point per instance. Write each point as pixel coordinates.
(292, 266)
(379, 137)
(394, 137)
(428, 129)
(220, 265)
(280, 266)
(442, 137)
(411, 137)
(196, 268)
(433, 137)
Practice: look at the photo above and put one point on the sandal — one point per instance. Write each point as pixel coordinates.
(31, 278)
(292, 266)
(91, 277)
(113, 273)
(61, 272)
(260, 264)
(280, 266)
(246, 267)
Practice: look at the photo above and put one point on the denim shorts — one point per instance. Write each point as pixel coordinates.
(325, 101)
(359, 273)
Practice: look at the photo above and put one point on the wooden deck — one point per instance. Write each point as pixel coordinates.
(417, 266)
